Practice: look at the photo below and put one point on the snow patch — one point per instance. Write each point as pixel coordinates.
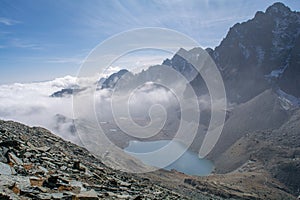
(287, 101)
(276, 73)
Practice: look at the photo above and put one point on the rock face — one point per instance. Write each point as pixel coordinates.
(66, 92)
(112, 80)
(36, 164)
(256, 55)
(259, 49)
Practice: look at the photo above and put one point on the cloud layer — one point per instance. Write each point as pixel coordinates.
(30, 104)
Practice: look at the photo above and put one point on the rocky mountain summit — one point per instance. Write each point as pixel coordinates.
(255, 55)
(261, 50)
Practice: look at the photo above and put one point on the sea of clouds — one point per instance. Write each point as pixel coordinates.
(31, 104)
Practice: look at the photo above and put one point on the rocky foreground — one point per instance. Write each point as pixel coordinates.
(35, 164)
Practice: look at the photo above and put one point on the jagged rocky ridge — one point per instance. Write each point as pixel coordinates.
(256, 55)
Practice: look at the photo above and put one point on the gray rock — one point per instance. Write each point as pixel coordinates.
(43, 149)
(57, 195)
(43, 169)
(45, 196)
(63, 168)
(88, 195)
(5, 169)
(14, 159)
(9, 180)
(2, 157)
(28, 155)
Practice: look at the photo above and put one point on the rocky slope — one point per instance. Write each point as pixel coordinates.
(35, 164)
(263, 112)
(276, 151)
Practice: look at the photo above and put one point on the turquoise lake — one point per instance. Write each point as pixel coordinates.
(188, 163)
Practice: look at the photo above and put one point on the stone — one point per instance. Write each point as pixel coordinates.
(88, 195)
(123, 196)
(5, 169)
(122, 183)
(14, 159)
(43, 149)
(45, 196)
(57, 195)
(15, 188)
(42, 189)
(190, 181)
(47, 158)
(27, 166)
(63, 168)
(36, 181)
(9, 180)
(77, 184)
(42, 169)
(27, 154)
(2, 156)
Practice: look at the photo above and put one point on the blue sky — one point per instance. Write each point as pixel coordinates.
(41, 40)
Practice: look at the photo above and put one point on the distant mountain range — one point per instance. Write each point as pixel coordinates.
(256, 55)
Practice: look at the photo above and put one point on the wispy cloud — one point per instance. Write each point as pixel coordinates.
(63, 60)
(17, 43)
(8, 22)
(136, 62)
(205, 21)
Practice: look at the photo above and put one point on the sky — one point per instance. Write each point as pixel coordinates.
(43, 40)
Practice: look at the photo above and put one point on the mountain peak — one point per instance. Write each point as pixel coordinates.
(278, 8)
